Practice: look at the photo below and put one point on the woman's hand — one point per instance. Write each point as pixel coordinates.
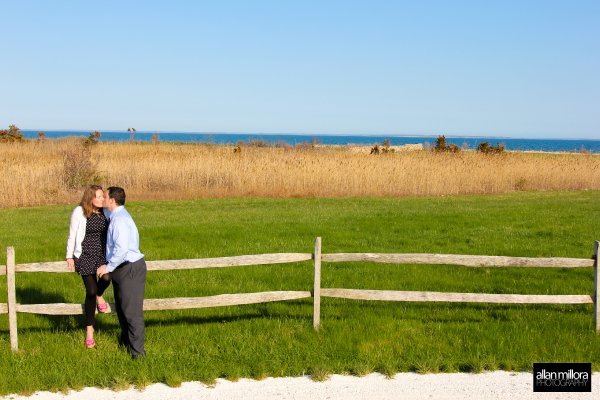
(71, 264)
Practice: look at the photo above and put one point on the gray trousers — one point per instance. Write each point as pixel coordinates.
(129, 282)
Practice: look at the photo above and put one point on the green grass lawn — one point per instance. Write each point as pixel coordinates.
(277, 339)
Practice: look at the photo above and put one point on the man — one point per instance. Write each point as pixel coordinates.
(127, 269)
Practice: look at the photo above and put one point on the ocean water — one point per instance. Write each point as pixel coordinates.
(232, 138)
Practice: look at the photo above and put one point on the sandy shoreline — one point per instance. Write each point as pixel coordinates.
(489, 385)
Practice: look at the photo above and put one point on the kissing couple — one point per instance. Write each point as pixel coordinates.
(104, 246)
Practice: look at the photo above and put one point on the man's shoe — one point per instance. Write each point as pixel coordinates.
(124, 342)
(138, 356)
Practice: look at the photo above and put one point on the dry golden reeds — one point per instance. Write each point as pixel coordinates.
(36, 172)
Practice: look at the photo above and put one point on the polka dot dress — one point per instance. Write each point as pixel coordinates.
(93, 247)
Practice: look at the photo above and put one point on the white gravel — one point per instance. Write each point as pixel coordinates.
(488, 385)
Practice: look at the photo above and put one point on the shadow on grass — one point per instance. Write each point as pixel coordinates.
(445, 312)
(36, 295)
(332, 310)
(431, 306)
(110, 324)
(193, 320)
(63, 323)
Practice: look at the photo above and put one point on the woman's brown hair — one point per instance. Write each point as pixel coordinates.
(86, 200)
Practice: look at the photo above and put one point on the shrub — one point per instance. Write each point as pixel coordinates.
(441, 146)
(440, 143)
(483, 147)
(41, 136)
(78, 167)
(452, 148)
(486, 148)
(94, 138)
(10, 135)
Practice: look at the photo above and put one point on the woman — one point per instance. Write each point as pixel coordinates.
(86, 248)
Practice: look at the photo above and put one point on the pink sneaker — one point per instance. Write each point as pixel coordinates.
(103, 308)
(89, 343)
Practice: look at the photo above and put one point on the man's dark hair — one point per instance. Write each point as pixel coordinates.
(117, 193)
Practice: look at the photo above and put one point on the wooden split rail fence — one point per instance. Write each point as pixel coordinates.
(12, 307)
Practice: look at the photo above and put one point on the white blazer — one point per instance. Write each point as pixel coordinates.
(76, 232)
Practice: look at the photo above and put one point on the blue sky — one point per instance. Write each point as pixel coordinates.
(519, 69)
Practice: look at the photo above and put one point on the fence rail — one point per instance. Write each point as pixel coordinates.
(396, 295)
(456, 259)
(165, 265)
(386, 258)
(176, 303)
(12, 307)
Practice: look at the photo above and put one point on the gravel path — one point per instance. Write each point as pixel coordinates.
(489, 385)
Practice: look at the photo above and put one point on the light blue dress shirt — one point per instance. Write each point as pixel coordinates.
(123, 239)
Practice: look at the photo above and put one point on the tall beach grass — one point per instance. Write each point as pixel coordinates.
(42, 172)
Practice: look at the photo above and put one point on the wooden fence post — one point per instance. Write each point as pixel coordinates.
(596, 288)
(317, 286)
(12, 298)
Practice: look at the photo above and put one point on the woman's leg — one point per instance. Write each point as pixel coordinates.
(91, 290)
(103, 283)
